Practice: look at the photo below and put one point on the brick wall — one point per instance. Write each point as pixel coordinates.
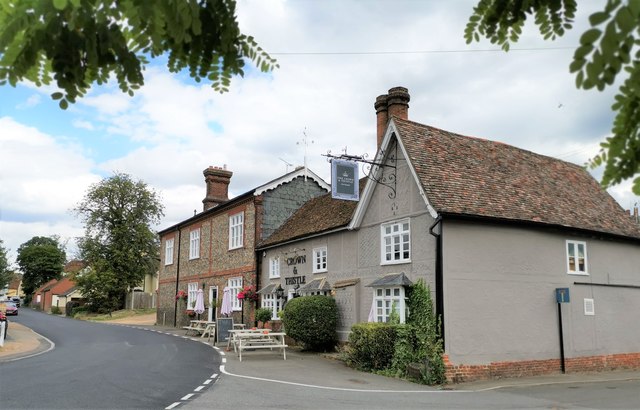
(457, 373)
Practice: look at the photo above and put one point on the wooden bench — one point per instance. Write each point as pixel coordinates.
(255, 340)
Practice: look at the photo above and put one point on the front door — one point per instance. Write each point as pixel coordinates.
(213, 303)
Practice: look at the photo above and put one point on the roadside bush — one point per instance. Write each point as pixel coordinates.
(312, 321)
(413, 350)
(418, 347)
(371, 346)
(55, 310)
(68, 308)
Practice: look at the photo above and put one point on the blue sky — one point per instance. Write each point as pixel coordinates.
(335, 57)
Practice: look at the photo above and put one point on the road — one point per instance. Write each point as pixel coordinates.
(97, 365)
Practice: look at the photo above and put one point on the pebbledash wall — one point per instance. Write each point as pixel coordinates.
(265, 208)
(501, 315)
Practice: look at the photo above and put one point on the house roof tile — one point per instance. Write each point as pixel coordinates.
(475, 177)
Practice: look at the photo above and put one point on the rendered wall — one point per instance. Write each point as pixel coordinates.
(499, 285)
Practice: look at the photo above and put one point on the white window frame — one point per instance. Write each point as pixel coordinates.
(236, 230)
(168, 252)
(576, 245)
(192, 293)
(235, 287)
(589, 307)
(194, 244)
(392, 234)
(274, 267)
(271, 301)
(316, 292)
(320, 259)
(384, 298)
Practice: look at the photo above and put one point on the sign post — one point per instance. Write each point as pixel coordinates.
(562, 296)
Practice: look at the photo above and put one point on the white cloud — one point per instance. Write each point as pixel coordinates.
(172, 129)
(87, 125)
(32, 101)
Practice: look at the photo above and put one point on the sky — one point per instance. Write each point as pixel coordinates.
(335, 57)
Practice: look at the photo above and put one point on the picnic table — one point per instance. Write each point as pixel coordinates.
(201, 327)
(249, 339)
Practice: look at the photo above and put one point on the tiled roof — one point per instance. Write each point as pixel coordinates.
(318, 215)
(476, 177)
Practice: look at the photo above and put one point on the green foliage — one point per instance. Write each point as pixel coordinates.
(609, 47)
(371, 346)
(421, 343)
(55, 310)
(392, 349)
(40, 259)
(69, 307)
(118, 244)
(80, 42)
(312, 321)
(263, 315)
(6, 275)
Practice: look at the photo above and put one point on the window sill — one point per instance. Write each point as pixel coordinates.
(395, 262)
(320, 271)
(578, 273)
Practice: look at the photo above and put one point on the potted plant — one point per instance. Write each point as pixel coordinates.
(263, 315)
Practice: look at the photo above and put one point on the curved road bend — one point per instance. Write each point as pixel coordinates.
(97, 365)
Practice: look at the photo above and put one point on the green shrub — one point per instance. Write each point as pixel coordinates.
(68, 308)
(371, 346)
(55, 310)
(421, 344)
(263, 315)
(312, 321)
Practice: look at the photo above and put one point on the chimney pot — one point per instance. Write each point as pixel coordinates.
(217, 182)
(382, 117)
(396, 103)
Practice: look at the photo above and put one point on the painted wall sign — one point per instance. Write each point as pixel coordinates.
(295, 280)
(344, 180)
(562, 295)
(295, 260)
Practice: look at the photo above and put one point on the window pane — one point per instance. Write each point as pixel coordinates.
(396, 291)
(571, 251)
(572, 264)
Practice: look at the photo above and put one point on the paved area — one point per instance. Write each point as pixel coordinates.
(306, 369)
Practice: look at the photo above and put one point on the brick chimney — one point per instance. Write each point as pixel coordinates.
(395, 103)
(217, 180)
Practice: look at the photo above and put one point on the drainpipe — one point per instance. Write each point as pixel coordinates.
(439, 275)
(175, 303)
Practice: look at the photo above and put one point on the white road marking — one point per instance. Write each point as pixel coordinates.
(176, 404)
(187, 397)
(208, 381)
(198, 388)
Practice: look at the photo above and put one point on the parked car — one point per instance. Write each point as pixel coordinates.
(16, 300)
(9, 308)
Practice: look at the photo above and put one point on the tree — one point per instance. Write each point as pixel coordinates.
(119, 244)
(607, 48)
(81, 42)
(40, 259)
(6, 275)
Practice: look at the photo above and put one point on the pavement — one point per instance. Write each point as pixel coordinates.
(304, 368)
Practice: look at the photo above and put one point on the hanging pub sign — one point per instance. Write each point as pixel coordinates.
(344, 180)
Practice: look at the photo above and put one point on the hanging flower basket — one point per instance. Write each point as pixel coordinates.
(182, 295)
(248, 293)
(191, 313)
